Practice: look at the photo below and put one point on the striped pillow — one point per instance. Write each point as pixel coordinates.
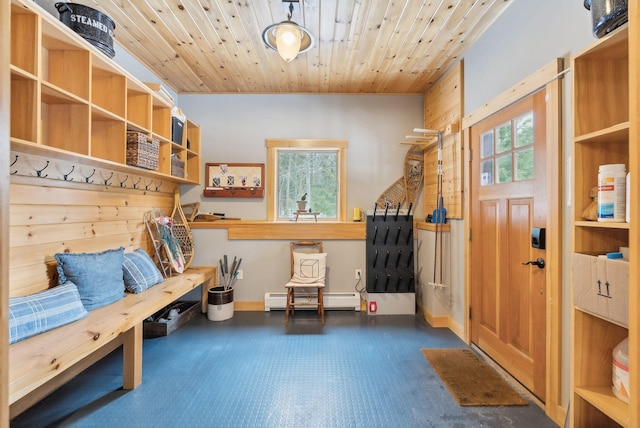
(139, 271)
(43, 311)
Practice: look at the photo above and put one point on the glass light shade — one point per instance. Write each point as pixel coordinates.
(288, 39)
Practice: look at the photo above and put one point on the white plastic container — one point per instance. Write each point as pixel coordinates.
(628, 201)
(620, 371)
(611, 193)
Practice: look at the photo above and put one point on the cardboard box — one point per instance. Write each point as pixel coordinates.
(601, 287)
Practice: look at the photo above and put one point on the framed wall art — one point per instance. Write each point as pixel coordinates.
(234, 180)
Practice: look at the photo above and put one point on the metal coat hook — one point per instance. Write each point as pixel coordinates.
(146, 186)
(39, 171)
(135, 185)
(106, 180)
(13, 163)
(86, 179)
(123, 181)
(66, 176)
(158, 187)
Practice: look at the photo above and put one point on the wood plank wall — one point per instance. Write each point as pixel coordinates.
(48, 216)
(443, 107)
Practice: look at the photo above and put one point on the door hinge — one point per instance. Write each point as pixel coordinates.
(469, 235)
(469, 312)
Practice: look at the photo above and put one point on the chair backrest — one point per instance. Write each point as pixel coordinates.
(304, 247)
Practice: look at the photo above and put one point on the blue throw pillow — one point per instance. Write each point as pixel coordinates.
(98, 276)
(43, 311)
(140, 272)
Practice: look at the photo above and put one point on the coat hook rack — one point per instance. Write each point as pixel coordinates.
(13, 163)
(146, 186)
(106, 180)
(39, 171)
(87, 178)
(66, 176)
(135, 185)
(123, 181)
(158, 187)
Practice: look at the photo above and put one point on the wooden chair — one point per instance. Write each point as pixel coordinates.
(307, 282)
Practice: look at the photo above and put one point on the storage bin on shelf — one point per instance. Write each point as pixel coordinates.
(142, 151)
(177, 166)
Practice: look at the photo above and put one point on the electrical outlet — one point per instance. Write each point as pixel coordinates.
(240, 276)
(358, 273)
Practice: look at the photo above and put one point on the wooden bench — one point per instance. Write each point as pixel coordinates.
(40, 364)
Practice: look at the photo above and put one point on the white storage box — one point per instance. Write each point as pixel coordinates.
(601, 287)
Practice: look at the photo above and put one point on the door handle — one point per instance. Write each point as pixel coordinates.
(537, 262)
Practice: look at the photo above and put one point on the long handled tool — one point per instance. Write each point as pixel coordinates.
(439, 218)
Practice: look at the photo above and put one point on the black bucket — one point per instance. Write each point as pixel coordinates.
(220, 296)
(93, 25)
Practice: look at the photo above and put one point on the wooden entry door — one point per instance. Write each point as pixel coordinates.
(508, 199)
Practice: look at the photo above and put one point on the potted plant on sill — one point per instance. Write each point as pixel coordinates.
(302, 203)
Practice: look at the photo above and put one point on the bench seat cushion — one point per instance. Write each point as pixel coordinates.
(98, 276)
(140, 272)
(43, 311)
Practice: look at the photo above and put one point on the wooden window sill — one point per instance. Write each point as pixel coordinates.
(307, 229)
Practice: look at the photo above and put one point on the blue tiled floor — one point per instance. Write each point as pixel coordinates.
(252, 371)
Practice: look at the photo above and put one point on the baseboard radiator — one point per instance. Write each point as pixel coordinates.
(346, 300)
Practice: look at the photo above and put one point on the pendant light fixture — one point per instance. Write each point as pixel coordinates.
(287, 37)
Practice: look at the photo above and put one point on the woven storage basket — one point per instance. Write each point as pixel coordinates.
(142, 151)
(177, 167)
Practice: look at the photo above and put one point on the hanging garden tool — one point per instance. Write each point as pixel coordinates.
(439, 218)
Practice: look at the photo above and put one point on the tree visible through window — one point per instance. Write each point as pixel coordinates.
(316, 168)
(310, 172)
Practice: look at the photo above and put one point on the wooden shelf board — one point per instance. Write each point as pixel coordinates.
(601, 224)
(99, 113)
(619, 131)
(18, 73)
(602, 397)
(56, 153)
(52, 94)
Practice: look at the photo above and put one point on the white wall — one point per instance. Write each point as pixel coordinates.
(234, 129)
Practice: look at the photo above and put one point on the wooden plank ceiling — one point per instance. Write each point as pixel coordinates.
(362, 46)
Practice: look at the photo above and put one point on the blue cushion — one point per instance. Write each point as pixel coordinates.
(43, 311)
(140, 272)
(98, 276)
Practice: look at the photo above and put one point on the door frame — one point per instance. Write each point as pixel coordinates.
(549, 78)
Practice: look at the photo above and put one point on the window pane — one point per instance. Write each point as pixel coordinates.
(486, 145)
(504, 138)
(524, 130)
(524, 164)
(312, 172)
(504, 174)
(486, 172)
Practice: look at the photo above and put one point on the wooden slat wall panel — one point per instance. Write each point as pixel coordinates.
(52, 216)
(443, 108)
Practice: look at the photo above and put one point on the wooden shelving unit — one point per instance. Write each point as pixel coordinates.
(601, 95)
(68, 96)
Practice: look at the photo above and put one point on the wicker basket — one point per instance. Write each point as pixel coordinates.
(177, 167)
(142, 151)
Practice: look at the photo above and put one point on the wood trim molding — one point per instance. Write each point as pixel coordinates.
(5, 121)
(527, 86)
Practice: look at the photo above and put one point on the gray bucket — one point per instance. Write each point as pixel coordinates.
(94, 26)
